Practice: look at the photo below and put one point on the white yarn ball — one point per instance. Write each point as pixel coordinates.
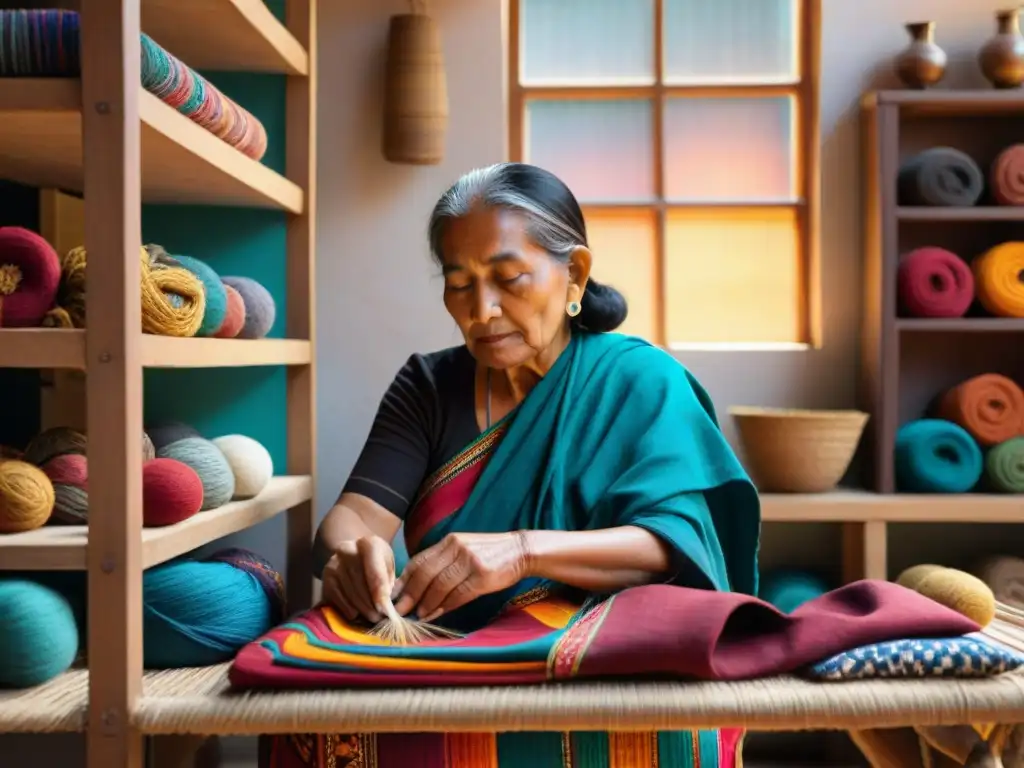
(250, 463)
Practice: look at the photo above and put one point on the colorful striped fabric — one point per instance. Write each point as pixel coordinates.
(45, 43)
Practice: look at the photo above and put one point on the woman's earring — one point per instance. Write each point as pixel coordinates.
(573, 308)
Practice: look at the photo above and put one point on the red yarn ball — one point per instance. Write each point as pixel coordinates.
(234, 318)
(29, 276)
(171, 492)
(69, 469)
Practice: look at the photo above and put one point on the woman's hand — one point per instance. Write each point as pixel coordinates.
(459, 568)
(359, 578)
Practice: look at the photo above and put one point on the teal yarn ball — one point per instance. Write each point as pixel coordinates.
(195, 614)
(216, 297)
(788, 590)
(936, 456)
(208, 462)
(38, 634)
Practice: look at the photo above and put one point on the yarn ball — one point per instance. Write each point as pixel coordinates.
(171, 492)
(268, 576)
(54, 442)
(168, 432)
(216, 296)
(29, 276)
(26, 497)
(234, 318)
(38, 634)
(260, 309)
(966, 594)
(148, 449)
(200, 613)
(788, 590)
(250, 463)
(209, 463)
(69, 474)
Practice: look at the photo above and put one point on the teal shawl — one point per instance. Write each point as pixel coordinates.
(617, 433)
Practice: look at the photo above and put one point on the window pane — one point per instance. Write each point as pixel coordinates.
(586, 42)
(623, 245)
(729, 149)
(601, 149)
(730, 41)
(732, 276)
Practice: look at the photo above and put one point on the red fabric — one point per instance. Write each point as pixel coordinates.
(934, 282)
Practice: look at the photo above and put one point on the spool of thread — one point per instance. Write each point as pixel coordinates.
(29, 276)
(250, 463)
(966, 594)
(209, 463)
(173, 300)
(38, 634)
(216, 296)
(788, 590)
(26, 497)
(234, 317)
(69, 474)
(54, 442)
(171, 492)
(201, 613)
(260, 310)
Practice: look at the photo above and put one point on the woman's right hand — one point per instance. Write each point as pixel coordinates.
(359, 577)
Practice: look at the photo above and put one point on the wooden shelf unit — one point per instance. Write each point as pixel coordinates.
(908, 361)
(120, 146)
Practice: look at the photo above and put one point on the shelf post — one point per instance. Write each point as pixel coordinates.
(110, 55)
(300, 168)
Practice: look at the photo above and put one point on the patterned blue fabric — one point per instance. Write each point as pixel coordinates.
(967, 656)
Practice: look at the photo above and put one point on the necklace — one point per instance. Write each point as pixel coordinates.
(488, 402)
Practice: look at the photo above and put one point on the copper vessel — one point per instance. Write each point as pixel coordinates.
(922, 63)
(1002, 58)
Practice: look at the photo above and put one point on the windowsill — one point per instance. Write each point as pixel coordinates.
(739, 346)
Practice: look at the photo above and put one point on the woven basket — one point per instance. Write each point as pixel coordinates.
(797, 451)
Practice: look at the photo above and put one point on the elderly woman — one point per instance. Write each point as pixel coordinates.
(546, 451)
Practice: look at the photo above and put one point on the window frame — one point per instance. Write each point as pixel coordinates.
(805, 92)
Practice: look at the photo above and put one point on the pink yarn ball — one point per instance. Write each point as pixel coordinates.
(29, 276)
(234, 318)
(171, 492)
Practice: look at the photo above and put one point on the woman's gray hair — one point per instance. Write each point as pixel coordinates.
(554, 218)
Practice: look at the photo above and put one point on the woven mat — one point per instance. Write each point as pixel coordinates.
(59, 705)
(198, 701)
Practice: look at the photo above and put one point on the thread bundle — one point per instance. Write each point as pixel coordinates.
(973, 439)
(29, 275)
(195, 613)
(183, 474)
(948, 177)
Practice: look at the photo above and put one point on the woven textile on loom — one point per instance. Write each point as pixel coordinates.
(45, 43)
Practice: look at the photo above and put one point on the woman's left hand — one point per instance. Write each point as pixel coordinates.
(459, 568)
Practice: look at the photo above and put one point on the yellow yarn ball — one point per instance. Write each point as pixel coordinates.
(966, 594)
(26, 497)
(173, 299)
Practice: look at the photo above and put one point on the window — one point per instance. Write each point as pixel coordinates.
(688, 130)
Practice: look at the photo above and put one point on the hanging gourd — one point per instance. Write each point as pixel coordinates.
(416, 90)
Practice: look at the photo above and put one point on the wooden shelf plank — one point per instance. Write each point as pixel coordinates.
(847, 506)
(57, 706)
(940, 102)
(52, 348)
(961, 324)
(41, 145)
(62, 547)
(199, 701)
(974, 213)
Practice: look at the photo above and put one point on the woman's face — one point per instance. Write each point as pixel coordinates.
(507, 295)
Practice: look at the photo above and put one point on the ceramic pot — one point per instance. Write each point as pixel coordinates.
(922, 63)
(1002, 58)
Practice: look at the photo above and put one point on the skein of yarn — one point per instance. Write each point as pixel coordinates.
(201, 613)
(26, 497)
(216, 296)
(250, 463)
(260, 310)
(167, 432)
(54, 442)
(29, 276)
(234, 318)
(69, 474)
(208, 462)
(171, 492)
(38, 634)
